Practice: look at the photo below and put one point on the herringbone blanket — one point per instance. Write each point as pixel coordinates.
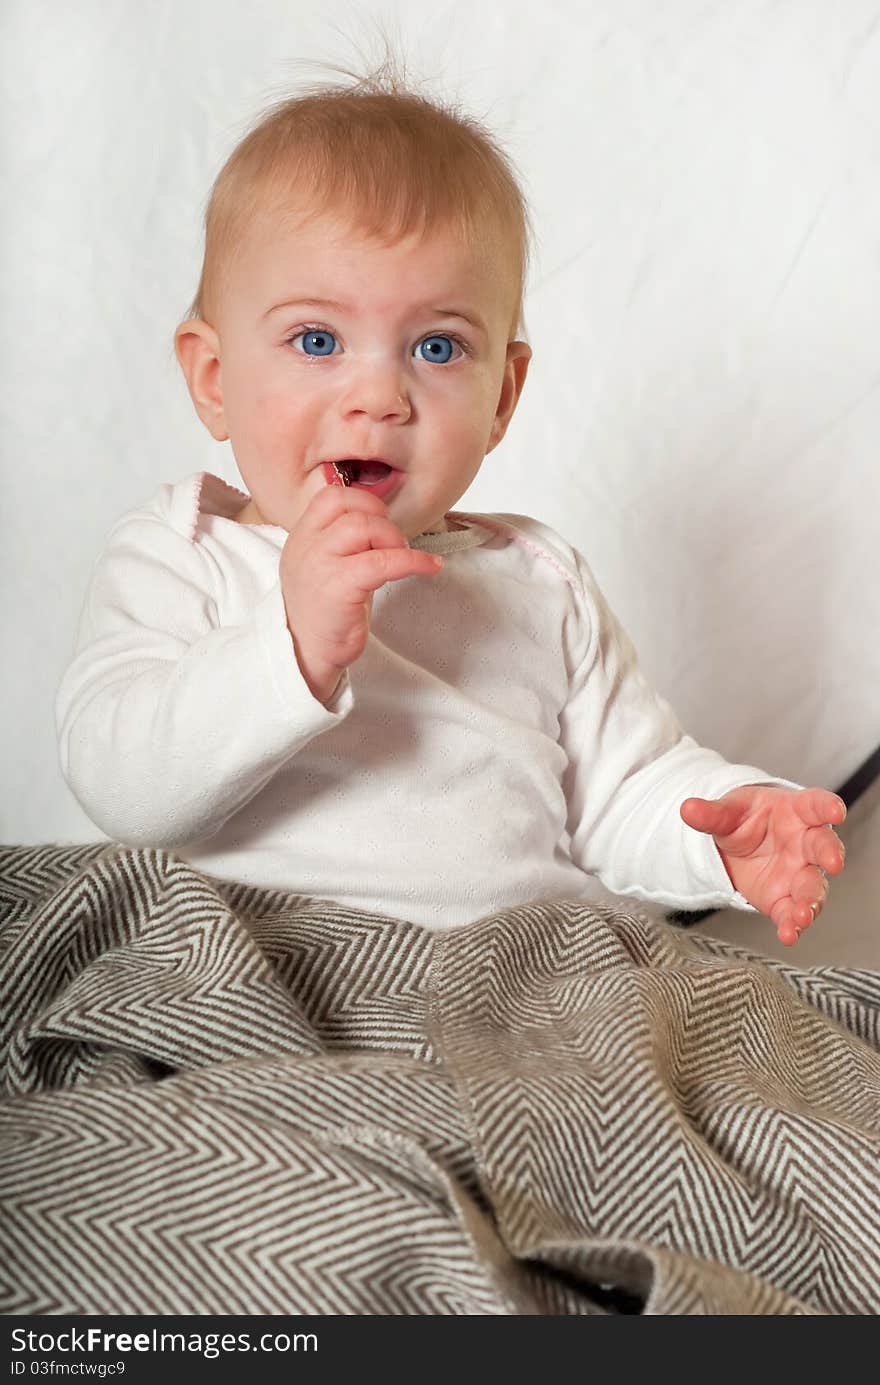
(220, 1099)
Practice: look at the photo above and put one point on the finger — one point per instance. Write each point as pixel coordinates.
(711, 815)
(787, 929)
(380, 565)
(823, 848)
(358, 533)
(330, 502)
(817, 806)
(794, 912)
(808, 897)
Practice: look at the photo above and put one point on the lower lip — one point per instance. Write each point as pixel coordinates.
(381, 488)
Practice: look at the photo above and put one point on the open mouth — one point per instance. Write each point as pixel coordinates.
(379, 477)
(357, 473)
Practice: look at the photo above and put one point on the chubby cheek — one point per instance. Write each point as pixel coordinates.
(266, 424)
(473, 438)
(278, 423)
(479, 417)
(462, 411)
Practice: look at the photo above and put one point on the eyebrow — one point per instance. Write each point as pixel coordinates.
(472, 321)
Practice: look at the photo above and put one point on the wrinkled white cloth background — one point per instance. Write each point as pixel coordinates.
(702, 412)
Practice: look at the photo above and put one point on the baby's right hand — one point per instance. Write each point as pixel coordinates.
(342, 549)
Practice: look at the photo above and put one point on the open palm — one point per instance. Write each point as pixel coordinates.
(777, 846)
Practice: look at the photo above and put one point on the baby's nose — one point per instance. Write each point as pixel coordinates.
(380, 393)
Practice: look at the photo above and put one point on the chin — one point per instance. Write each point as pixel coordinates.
(411, 528)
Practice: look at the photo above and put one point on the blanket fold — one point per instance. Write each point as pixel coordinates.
(221, 1099)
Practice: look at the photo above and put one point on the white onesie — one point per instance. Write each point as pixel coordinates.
(496, 744)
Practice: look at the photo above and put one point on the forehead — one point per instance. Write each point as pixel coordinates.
(287, 253)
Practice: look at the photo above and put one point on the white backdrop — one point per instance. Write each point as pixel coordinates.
(702, 411)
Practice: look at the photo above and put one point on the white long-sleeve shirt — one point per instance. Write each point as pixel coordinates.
(496, 744)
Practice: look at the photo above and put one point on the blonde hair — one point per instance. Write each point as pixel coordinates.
(393, 161)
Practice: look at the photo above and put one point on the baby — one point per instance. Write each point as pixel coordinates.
(339, 685)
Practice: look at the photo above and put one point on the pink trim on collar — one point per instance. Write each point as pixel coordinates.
(508, 530)
(200, 480)
(196, 503)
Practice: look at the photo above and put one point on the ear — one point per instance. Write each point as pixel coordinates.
(197, 347)
(516, 367)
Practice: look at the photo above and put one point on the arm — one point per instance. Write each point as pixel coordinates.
(630, 768)
(167, 723)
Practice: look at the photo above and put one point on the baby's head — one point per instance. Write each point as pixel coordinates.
(366, 252)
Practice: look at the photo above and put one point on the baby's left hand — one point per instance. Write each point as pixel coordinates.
(775, 844)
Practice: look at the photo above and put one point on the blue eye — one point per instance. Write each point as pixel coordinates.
(321, 340)
(436, 346)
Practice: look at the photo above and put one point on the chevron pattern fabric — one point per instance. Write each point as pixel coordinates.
(227, 1100)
